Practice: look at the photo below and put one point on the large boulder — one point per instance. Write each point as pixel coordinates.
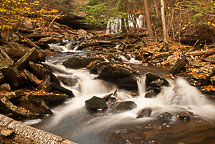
(124, 106)
(79, 62)
(96, 103)
(31, 55)
(121, 75)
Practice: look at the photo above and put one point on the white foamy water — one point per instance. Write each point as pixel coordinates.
(73, 120)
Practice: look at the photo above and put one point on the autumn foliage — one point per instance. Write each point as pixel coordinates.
(14, 12)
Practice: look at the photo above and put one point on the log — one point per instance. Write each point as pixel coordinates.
(202, 53)
(12, 131)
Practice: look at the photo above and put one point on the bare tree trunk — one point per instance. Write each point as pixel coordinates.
(15, 132)
(148, 20)
(163, 21)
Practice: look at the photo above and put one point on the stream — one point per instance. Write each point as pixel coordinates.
(73, 121)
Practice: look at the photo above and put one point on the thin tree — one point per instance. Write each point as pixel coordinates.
(148, 19)
(163, 21)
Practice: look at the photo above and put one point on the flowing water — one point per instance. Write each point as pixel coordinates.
(73, 121)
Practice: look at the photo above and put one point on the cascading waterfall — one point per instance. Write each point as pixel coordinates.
(73, 121)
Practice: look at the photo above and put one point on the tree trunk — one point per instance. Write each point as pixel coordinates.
(12, 131)
(163, 21)
(148, 20)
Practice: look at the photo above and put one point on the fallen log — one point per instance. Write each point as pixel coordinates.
(12, 131)
(202, 53)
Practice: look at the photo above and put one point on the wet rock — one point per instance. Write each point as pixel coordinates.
(60, 89)
(42, 70)
(45, 84)
(96, 103)
(155, 80)
(124, 106)
(23, 62)
(44, 41)
(34, 104)
(5, 60)
(5, 87)
(179, 65)
(184, 116)
(121, 75)
(6, 106)
(1, 77)
(68, 80)
(32, 78)
(150, 94)
(79, 62)
(164, 117)
(146, 112)
(53, 99)
(12, 76)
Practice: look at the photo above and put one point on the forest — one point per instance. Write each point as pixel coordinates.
(107, 71)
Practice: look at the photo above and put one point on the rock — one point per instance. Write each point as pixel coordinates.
(79, 62)
(45, 84)
(44, 41)
(14, 95)
(5, 87)
(146, 112)
(122, 75)
(38, 69)
(155, 81)
(42, 70)
(60, 89)
(5, 60)
(1, 77)
(150, 94)
(156, 90)
(34, 104)
(96, 103)
(32, 78)
(12, 76)
(23, 62)
(184, 116)
(52, 99)
(124, 106)
(179, 65)
(68, 80)
(6, 106)
(164, 117)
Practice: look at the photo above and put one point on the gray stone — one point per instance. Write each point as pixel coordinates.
(146, 112)
(96, 103)
(31, 55)
(164, 117)
(124, 106)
